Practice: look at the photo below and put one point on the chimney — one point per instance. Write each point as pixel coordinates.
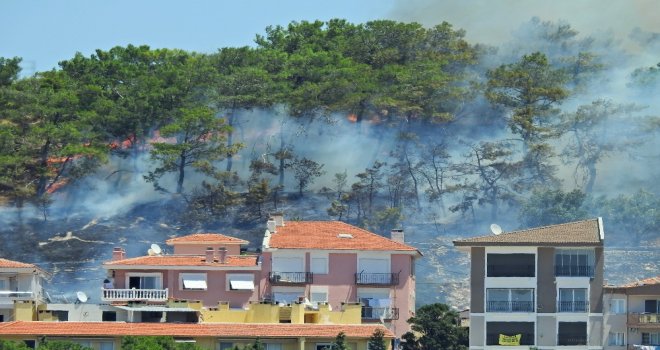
(270, 225)
(279, 219)
(209, 254)
(118, 253)
(397, 235)
(222, 255)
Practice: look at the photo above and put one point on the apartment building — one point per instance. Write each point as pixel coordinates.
(632, 315)
(20, 283)
(333, 263)
(540, 287)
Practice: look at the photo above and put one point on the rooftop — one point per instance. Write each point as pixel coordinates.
(331, 235)
(208, 238)
(185, 260)
(229, 330)
(645, 282)
(586, 233)
(5, 263)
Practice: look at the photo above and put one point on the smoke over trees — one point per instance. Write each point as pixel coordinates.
(378, 124)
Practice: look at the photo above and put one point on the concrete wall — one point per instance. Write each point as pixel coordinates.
(545, 288)
(477, 330)
(200, 249)
(546, 331)
(477, 279)
(596, 284)
(595, 331)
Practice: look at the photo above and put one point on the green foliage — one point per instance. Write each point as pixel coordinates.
(646, 78)
(306, 171)
(340, 342)
(550, 207)
(634, 215)
(9, 69)
(377, 340)
(155, 343)
(61, 345)
(12, 345)
(438, 328)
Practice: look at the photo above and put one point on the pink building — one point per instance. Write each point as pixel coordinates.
(205, 267)
(334, 262)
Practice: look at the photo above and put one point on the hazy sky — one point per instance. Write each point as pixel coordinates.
(45, 32)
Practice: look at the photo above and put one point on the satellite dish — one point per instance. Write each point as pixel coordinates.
(150, 252)
(156, 249)
(82, 297)
(495, 229)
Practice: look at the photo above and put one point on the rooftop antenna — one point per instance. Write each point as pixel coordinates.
(156, 249)
(81, 297)
(495, 229)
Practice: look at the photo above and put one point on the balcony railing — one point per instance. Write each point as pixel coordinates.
(494, 338)
(134, 294)
(12, 295)
(643, 319)
(509, 306)
(377, 313)
(377, 279)
(511, 270)
(574, 271)
(573, 306)
(571, 339)
(291, 277)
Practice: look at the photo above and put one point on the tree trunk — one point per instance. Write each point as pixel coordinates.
(182, 167)
(230, 138)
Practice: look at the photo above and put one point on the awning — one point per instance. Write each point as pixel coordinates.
(241, 285)
(194, 284)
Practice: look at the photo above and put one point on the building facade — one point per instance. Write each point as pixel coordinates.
(333, 263)
(540, 287)
(21, 290)
(632, 315)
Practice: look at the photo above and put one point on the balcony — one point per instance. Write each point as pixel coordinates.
(525, 339)
(511, 270)
(572, 339)
(8, 297)
(377, 313)
(573, 306)
(574, 271)
(644, 320)
(509, 306)
(134, 294)
(376, 279)
(290, 278)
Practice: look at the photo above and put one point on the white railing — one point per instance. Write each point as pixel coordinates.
(134, 294)
(12, 295)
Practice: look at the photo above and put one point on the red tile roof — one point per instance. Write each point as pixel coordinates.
(326, 235)
(186, 260)
(4, 263)
(579, 233)
(197, 238)
(229, 330)
(645, 282)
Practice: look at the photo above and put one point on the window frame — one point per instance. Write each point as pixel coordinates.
(324, 264)
(157, 275)
(616, 339)
(614, 309)
(183, 275)
(229, 276)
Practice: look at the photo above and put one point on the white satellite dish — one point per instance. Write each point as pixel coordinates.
(495, 229)
(82, 297)
(156, 249)
(150, 252)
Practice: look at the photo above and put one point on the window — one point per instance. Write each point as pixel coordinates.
(319, 264)
(271, 346)
(109, 316)
(650, 338)
(4, 284)
(106, 345)
(618, 306)
(373, 265)
(225, 346)
(288, 264)
(318, 294)
(324, 346)
(509, 300)
(574, 262)
(497, 332)
(288, 295)
(573, 300)
(192, 281)
(240, 282)
(572, 333)
(62, 315)
(511, 265)
(652, 306)
(616, 339)
(144, 281)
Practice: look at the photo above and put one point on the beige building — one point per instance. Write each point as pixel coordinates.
(540, 287)
(632, 315)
